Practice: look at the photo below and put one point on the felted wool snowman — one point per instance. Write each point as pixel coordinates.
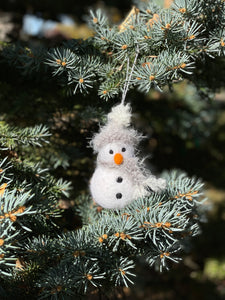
(120, 176)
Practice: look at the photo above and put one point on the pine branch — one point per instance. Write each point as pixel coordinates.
(104, 250)
(177, 36)
(10, 137)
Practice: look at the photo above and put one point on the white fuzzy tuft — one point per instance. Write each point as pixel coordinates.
(121, 115)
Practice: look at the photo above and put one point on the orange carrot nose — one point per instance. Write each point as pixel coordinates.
(118, 158)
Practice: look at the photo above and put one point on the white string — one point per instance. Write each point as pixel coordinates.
(128, 78)
(126, 82)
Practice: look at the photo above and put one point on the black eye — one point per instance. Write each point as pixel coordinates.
(123, 149)
(111, 151)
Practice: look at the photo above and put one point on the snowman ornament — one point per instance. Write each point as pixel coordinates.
(120, 176)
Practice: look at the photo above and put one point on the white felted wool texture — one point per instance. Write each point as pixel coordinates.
(105, 158)
(104, 188)
(121, 115)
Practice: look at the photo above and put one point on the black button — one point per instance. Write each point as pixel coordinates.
(119, 179)
(118, 195)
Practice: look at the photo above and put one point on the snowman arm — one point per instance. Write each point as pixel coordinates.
(143, 179)
(155, 184)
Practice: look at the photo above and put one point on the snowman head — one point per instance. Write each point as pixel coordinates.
(115, 153)
(116, 141)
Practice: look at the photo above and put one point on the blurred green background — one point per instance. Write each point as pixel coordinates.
(185, 129)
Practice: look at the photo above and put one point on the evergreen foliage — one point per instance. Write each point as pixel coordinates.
(152, 48)
(168, 43)
(29, 194)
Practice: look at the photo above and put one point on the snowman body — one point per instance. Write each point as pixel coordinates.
(111, 187)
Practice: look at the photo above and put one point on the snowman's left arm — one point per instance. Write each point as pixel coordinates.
(142, 178)
(155, 184)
